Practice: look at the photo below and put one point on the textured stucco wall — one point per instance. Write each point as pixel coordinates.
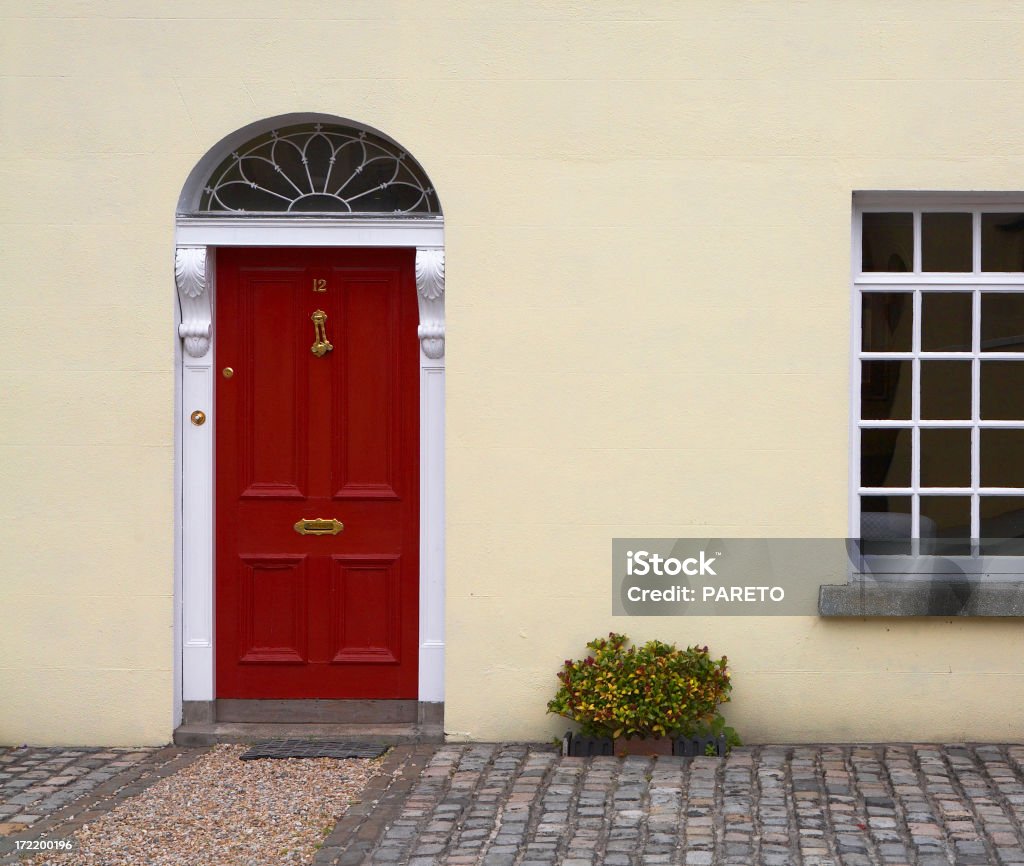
(648, 239)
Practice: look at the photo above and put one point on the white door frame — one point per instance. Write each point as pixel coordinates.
(196, 241)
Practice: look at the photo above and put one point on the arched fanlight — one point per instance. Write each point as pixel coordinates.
(319, 168)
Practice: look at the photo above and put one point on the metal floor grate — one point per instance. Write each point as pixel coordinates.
(313, 749)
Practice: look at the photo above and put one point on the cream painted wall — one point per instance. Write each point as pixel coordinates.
(648, 221)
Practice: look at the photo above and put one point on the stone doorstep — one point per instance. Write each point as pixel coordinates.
(313, 711)
(212, 733)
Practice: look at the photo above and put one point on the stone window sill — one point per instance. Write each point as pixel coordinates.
(922, 598)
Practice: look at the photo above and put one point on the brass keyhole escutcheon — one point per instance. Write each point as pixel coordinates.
(321, 345)
(198, 417)
(227, 372)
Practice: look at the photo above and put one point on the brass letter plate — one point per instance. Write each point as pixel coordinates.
(318, 526)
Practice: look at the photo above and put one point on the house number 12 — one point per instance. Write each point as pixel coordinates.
(319, 285)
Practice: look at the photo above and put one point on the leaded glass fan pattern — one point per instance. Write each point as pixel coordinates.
(319, 168)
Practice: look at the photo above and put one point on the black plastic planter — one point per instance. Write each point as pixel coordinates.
(577, 746)
(584, 747)
(693, 747)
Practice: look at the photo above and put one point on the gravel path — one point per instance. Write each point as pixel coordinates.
(220, 810)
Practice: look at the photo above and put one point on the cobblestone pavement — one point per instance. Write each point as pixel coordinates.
(46, 788)
(517, 805)
(514, 805)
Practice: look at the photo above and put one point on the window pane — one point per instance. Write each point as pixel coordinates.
(885, 524)
(887, 321)
(1002, 322)
(946, 243)
(946, 520)
(946, 321)
(1002, 241)
(885, 458)
(887, 242)
(945, 390)
(1002, 517)
(885, 390)
(1002, 390)
(945, 458)
(1002, 458)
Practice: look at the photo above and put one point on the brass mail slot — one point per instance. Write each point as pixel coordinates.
(318, 526)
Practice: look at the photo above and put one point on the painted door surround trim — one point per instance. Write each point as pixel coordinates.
(196, 241)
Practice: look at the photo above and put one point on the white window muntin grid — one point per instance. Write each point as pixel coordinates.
(900, 205)
(918, 283)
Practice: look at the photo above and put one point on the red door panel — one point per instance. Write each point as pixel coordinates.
(366, 464)
(274, 394)
(367, 627)
(307, 437)
(273, 609)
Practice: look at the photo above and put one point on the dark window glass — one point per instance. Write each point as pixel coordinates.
(887, 321)
(887, 242)
(1002, 525)
(1002, 390)
(945, 458)
(1002, 458)
(885, 524)
(1002, 322)
(946, 321)
(1002, 242)
(885, 390)
(946, 243)
(946, 390)
(885, 458)
(946, 523)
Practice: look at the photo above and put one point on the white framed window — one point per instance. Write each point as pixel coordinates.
(938, 380)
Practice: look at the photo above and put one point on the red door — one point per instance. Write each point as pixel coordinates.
(305, 436)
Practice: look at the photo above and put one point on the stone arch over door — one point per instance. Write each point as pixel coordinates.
(297, 180)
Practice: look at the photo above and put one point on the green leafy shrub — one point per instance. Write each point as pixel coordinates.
(653, 690)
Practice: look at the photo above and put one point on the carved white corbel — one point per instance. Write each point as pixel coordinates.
(190, 274)
(430, 292)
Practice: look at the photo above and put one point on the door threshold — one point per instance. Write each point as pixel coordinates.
(318, 711)
(212, 733)
(230, 720)
(314, 711)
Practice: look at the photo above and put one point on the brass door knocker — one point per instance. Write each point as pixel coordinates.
(322, 346)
